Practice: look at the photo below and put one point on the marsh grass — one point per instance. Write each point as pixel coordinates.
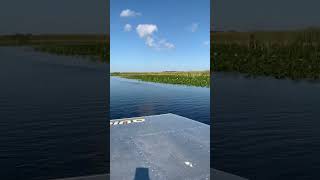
(190, 78)
(294, 55)
(95, 46)
(96, 51)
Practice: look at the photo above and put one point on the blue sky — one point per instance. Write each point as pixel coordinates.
(159, 35)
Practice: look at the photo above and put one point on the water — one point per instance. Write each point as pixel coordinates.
(52, 115)
(264, 128)
(132, 98)
(53, 110)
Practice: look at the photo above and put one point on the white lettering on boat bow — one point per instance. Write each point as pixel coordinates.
(126, 121)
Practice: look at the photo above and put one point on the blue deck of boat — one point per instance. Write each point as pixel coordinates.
(215, 175)
(164, 146)
(160, 147)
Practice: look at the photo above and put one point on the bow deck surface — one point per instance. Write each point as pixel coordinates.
(160, 147)
(164, 146)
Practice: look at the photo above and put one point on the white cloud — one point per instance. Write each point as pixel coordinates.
(164, 44)
(159, 44)
(150, 41)
(145, 30)
(169, 45)
(129, 13)
(127, 28)
(194, 27)
(206, 43)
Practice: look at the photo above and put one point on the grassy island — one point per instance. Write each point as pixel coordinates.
(190, 78)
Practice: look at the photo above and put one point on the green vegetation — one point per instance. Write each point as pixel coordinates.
(294, 54)
(98, 50)
(191, 78)
(95, 46)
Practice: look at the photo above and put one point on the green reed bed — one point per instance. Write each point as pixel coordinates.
(97, 51)
(297, 57)
(192, 78)
(95, 46)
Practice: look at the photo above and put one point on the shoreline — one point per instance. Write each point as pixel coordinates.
(188, 78)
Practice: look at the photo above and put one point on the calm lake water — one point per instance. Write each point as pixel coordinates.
(264, 128)
(52, 115)
(132, 98)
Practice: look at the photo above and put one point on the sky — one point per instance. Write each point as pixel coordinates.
(54, 16)
(91, 16)
(159, 35)
(248, 15)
